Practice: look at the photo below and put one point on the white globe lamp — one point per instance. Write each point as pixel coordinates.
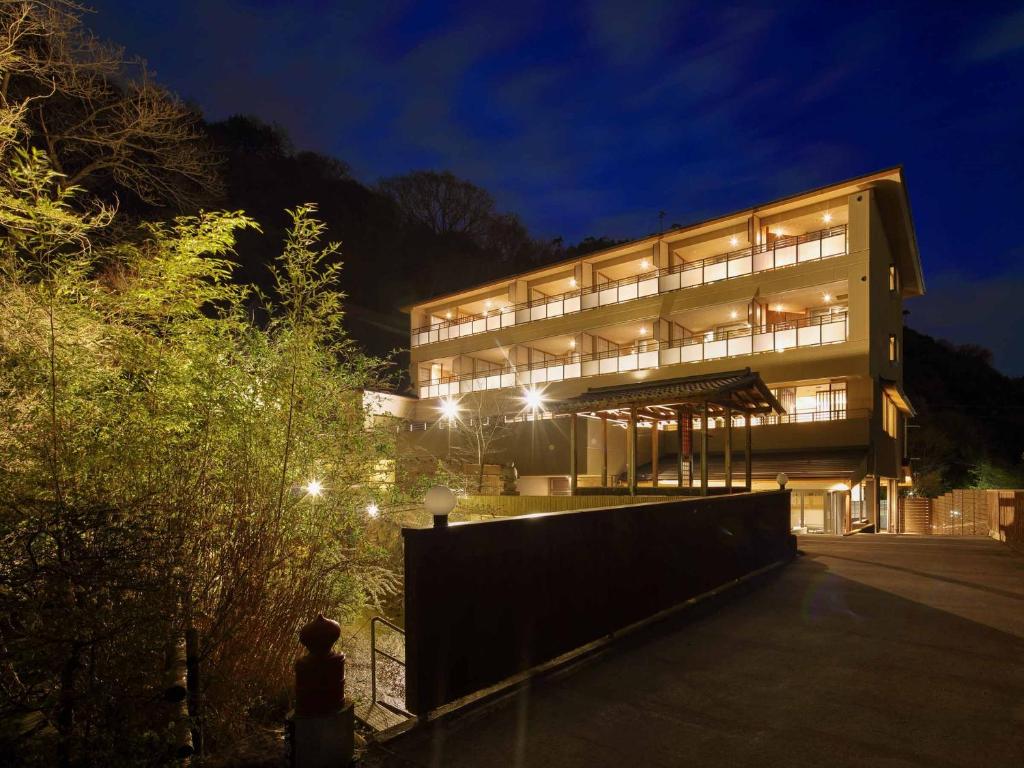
(439, 501)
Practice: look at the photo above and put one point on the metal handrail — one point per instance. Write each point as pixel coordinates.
(649, 346)
(374, 650)
(781, 242)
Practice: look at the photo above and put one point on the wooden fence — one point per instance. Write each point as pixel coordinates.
(969, 512)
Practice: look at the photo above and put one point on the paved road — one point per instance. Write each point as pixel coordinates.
(868, 651)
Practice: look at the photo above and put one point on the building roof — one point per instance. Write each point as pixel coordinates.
(741, 390)
(893, 198)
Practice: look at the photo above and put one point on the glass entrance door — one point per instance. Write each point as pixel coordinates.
(883, 504)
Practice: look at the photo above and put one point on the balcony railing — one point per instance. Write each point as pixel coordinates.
(784, 252)
(811, 332)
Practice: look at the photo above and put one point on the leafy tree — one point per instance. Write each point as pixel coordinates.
(156, 450)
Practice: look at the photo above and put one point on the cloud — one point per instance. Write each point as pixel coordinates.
(1001, 37)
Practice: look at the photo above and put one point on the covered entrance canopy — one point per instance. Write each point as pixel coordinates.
(675, 401)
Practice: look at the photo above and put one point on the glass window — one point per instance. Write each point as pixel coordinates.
(894, 351)
(894, 278)
(890, 416)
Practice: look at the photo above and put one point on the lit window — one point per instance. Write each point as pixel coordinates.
(894, 278)
(894, 349)
(890, 416)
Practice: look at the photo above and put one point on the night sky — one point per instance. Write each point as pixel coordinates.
(587, 119)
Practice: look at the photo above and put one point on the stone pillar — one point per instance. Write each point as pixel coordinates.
(323, 723)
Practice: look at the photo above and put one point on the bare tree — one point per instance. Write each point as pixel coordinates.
(97, 113)
(442, 202)
(481, 431)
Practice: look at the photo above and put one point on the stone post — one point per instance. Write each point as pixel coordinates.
(323, 724)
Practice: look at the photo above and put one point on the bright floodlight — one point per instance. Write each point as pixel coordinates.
(314, 487)
(449, 409)
(533, 399)
(372, 509)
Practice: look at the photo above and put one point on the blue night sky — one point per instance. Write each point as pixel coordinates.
(589, 118)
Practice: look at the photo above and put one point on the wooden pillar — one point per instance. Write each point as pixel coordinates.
(680, 445)
(727, 450)
(631, 451)
(704, 450)
(747, 458)
(604, 450)
(688, 444)
(573, 453)
(654, 454)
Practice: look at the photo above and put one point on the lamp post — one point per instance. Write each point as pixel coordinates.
(439, 501)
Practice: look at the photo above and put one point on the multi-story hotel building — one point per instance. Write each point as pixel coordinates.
(806, 292)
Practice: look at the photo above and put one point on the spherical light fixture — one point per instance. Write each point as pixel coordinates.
(439, 502)
(450, 409)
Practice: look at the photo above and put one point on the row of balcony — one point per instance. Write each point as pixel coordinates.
(783, 252)
(647, 355)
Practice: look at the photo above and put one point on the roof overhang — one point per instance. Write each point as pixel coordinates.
(894, 203)
(741, 391)
(895, 391)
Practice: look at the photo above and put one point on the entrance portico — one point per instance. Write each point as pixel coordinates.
(667, 406)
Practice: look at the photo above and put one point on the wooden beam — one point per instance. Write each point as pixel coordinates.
(604, 450)
(704, 450)
(727, 450)
(573, 453)
(654, 454)
(680, 457)
(631, 451)
(747, 452)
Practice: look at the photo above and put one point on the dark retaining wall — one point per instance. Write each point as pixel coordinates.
(485, 601)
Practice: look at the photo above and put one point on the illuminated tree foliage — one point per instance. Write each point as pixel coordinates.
(155, 449)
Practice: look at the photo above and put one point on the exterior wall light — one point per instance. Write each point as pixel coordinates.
(450, 410)
(733, 241)
(533, 399)
(572, 281)
(644, 264)
(827, 218)
(439, 501)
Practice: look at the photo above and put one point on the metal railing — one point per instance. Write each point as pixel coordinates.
(783, 252)
(374, 651)
(809, 332)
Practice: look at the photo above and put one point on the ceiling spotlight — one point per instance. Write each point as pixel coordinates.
(827, 297)
(827, 218)
(449, 409)
(533, 399)
(448, 315)
(733, 314)
(733, 241)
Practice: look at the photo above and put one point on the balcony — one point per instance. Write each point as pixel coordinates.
(647, 355)
(783, 252)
